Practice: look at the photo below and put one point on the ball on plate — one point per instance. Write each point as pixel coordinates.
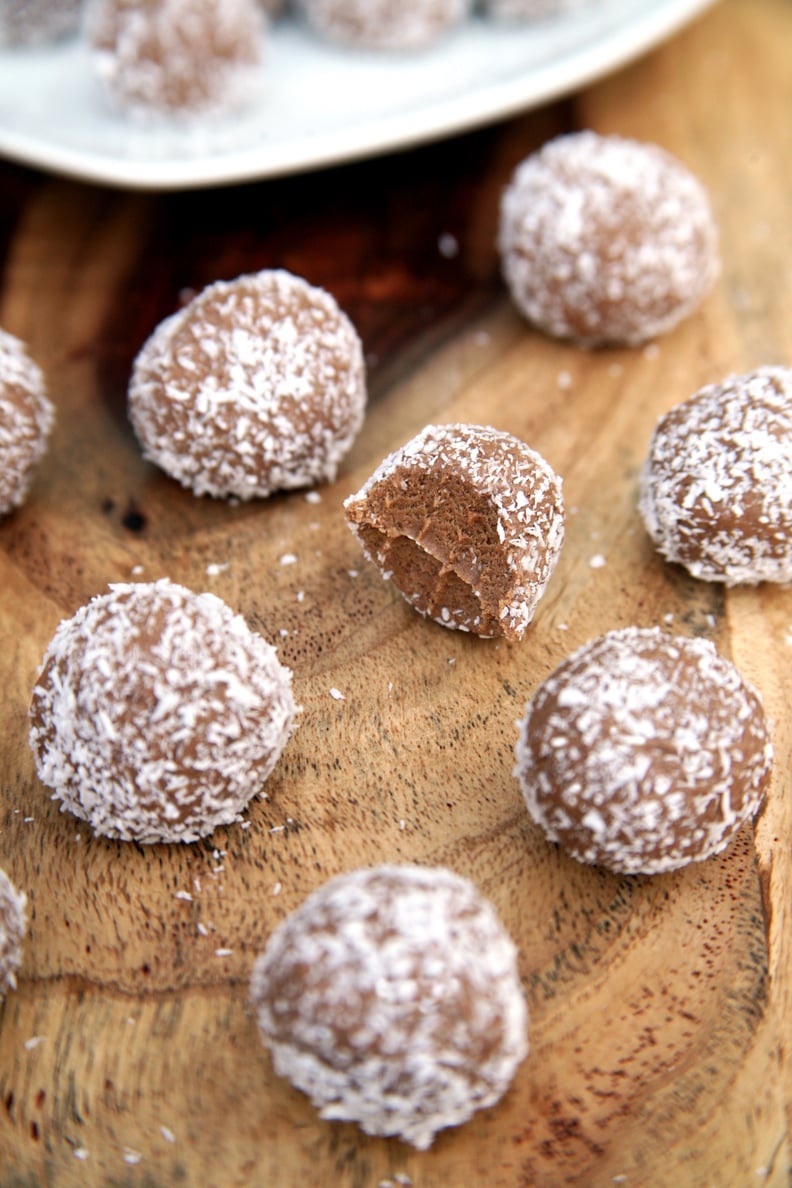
(383, 25)
(643, 752)
(256, 385)
(605, 240)
(178, 58)
(392, 998)
(716, 486)
(12, 931)
(158, 714)
(34, 22)
(531, 10)
(468, 522)
(26, 420)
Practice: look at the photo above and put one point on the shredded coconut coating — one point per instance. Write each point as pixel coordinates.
(30, 22)
(383, 25)
(257, 385)
(468, 522)
(26, 420)
(643, 752)
(12, 930)
(716, 487)
(181, 58)
(606, 240)
(158, 714)
(392, 998)
(531, 10)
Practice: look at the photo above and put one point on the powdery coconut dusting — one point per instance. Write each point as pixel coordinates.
(26, 420)
(158, 714)
(643, 752)
(257, 385)
(392, 998)
(606, 240)
(12, 930)
(468, 521)
(716, 488)
(381, 24)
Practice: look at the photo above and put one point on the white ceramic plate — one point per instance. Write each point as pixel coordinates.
(319, 105)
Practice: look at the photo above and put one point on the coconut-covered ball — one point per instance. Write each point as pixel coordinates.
(468, 522)
(158, 714)
(392, 998)
(383, 25)
(643, 752)
(179, 58)
(605, 240)
(31, 22)
(256, 385)
(716, 487)
(26, 420)
(12, 930)
(531, 10)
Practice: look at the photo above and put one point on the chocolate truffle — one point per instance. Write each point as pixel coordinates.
(643, 752)
(182, 58)
(12, 930)
(468, 521)
(26, 420)
(381, 24)
(605, 240)
(531, 10)
(716, 487)
(256, 385)
(158, 714)
(32, 22)
(392, 998)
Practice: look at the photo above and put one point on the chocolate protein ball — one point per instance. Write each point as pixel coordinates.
(605, 240)
(643, 752)
(257, 385)
(468, 522)
(716, 487)
(12, 930)
(531, 10)
(381, 24)
(183, 58)
(34, 22)
(26, 420)
(158, 715)
(392, 998)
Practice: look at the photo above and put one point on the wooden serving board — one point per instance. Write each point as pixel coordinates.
(660, 1007)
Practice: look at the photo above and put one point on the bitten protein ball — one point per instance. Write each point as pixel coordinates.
(26, 420)
(179, 58)
(392, 998)
(12, 931)
(383, 25)
(468, 522)
(643, 752)
(158, 715)
(605, 240)
(716, 487)
(257, 385)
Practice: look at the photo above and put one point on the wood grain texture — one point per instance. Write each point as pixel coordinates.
(660, 1007)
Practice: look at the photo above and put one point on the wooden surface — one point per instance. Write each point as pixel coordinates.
(661, 1009)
